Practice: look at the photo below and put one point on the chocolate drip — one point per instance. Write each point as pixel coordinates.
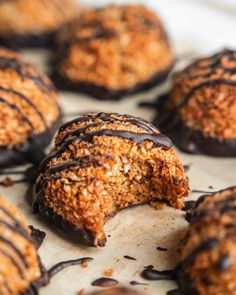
(62, 265)
(129, 257)
(105, 282)
(47, 275)
(162, 249)
(156, 275)
(135, 283)
(37, 236)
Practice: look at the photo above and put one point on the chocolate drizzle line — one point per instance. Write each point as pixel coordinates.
(135, 283)
(156, 275)
(129, 257)
(47, 275)
(105, 282)
(22, 68)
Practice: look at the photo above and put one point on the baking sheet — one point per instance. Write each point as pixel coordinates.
(137, 231)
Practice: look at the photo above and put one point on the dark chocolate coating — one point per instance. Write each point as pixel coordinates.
(71, 232)
(23, 41)
(104, 93)
(189, 140)
(30, 151)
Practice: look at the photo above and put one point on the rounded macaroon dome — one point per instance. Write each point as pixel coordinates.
(29, 110)
(20, 266)
(26, 23)
(102, 163)
(208, 255)
(200, 112)
(113, 51)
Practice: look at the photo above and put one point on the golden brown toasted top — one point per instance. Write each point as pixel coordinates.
(34, 17)
(205, 95)
(28, 99)
(18, 256)
(116, 47)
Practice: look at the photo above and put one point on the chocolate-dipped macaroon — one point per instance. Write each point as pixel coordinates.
(25, 23)
(199, 114)
(21, 271)
(112, 51)
(208, 256)
(102, 163)
(29, 111)
(20, 266)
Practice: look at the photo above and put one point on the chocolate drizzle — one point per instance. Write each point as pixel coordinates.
(22, 68)
(75, 136)
(156, 275)
(168, 118)
(105, 282)
(135, 283)
(129, 257)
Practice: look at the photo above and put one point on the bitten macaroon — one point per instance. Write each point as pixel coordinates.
(100, 164)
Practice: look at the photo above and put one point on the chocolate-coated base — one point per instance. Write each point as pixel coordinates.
(71, 232)
(21, 41)
(104, 93)
(30, 151)
(189, 140)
